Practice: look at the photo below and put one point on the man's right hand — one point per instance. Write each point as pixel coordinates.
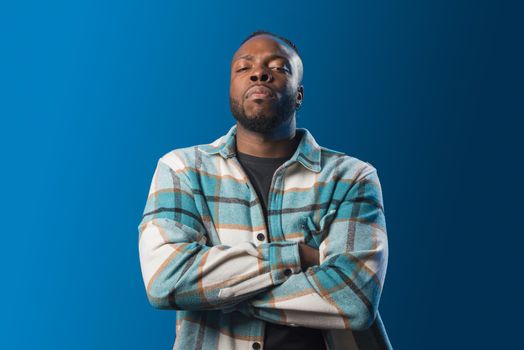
(308, 256)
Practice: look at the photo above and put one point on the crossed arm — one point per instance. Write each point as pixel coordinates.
(338, 286)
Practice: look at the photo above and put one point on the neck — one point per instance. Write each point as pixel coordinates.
(282, 141)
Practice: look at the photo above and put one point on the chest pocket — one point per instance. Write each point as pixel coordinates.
(316, 232)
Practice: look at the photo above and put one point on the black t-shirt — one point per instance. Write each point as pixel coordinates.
(277, 337)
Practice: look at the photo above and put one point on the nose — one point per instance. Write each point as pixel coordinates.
(262, 75)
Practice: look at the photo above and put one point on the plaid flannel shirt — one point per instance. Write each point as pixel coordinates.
(204, 250)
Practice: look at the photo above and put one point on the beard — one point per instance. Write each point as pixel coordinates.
(262, 121)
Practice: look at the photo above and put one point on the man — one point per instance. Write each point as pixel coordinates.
(263, 239)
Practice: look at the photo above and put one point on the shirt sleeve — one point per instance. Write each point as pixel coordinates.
(342, 292)
(181, 271)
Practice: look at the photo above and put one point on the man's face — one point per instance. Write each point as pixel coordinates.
(264, 89)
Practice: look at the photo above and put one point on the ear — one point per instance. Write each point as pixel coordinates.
(299, 98)
(300, 93)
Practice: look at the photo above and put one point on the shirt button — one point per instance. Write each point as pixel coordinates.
(261, 237)
(288, 272)
(256, 345)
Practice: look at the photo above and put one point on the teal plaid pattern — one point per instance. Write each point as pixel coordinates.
(204, 248)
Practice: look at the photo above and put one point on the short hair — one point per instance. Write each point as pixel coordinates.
(260, 32)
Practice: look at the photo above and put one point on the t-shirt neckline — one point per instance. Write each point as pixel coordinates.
(245, 156)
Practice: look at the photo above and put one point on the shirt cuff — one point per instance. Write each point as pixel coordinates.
(284, 260)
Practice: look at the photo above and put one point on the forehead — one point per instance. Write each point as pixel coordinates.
(264, 45)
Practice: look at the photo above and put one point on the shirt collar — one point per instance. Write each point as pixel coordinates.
(307, 152)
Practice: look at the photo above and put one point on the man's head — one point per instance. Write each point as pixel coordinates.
(266, 76)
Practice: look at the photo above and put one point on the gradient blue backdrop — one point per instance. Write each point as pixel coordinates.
(94, 92)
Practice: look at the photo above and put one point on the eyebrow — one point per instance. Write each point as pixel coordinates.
(270, 57)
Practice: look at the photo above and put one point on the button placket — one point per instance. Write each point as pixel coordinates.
(251, 189)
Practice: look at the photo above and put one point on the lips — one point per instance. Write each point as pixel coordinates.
(259, 91)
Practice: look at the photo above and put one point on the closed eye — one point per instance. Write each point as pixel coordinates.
(281, 69)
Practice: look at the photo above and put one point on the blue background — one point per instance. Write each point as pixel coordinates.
(94, 92)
